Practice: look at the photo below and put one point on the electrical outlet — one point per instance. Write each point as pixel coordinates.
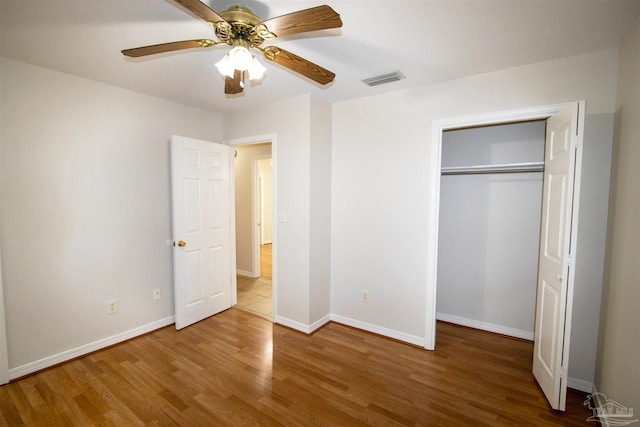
(365, 296)
(112, 306)
(156, 294)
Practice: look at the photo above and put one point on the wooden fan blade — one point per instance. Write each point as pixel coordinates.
(233, 85)
(299, 65)
(316, 18)
(166, 47)
(201, 9)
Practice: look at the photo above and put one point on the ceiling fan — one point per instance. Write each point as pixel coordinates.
(239, 28)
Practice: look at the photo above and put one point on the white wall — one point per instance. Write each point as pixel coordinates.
(86, 208)
(618, 370)
(265, 169)
(320, 212)
(244, 215)
(380, 194)
(490, 229)
(302, 164)
(289, 121)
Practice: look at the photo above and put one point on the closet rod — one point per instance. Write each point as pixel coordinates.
(486, 169)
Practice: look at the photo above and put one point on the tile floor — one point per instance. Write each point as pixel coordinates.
(254, 295)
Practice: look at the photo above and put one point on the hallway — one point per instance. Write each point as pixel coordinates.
(255, 295)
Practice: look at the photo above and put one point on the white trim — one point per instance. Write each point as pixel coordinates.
(581, 385)
(246, 273)
(319, 323)
(73, 353)
(257, 139)
(389, 333)
(437, 127)
(250, 140)
(232, 227)
(255, 212)
(301, 327)
(4, 351)
(485, 326)
(293, 324)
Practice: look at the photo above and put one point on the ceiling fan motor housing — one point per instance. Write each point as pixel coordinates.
(241, 28)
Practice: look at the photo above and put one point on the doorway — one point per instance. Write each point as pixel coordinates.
(490, 207)
(254, 228)
(558, 234)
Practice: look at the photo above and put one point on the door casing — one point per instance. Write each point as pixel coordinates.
(4, 353)
(256, 198)
(438, 127)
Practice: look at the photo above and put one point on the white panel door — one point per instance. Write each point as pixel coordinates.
(556, 270)
(204, 272)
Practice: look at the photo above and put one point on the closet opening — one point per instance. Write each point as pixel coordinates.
(489, 226)
(493, 266)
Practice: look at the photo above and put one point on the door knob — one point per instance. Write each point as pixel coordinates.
(182, 243)
(559, 277)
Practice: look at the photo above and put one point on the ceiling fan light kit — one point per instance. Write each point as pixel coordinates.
(239, 58)
(239, 28)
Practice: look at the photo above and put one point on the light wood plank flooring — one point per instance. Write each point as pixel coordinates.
(255, 295)
(237, 369)
(266, 260)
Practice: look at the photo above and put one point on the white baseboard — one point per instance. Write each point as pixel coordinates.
(581, 385)
(320, 323)
(308, 329)
(301, 327)
(245, 273)
(390, 333)
(64, 356)
(485, 326)
(298, 326)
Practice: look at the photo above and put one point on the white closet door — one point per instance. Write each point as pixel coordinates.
(555, 272)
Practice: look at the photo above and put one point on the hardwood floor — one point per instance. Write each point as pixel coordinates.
(256, 295)
(266, 260)
(237, 369)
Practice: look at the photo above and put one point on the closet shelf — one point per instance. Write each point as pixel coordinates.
(486, 169)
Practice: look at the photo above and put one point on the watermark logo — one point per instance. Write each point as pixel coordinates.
(608, 411)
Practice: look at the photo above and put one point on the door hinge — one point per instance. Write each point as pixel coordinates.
(564, 373)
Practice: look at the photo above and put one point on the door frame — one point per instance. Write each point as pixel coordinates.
(260, 167)
(262, 139)
(4, 351)
(256, 213)
(437, 128)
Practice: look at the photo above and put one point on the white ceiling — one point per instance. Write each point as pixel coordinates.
(428, 41)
